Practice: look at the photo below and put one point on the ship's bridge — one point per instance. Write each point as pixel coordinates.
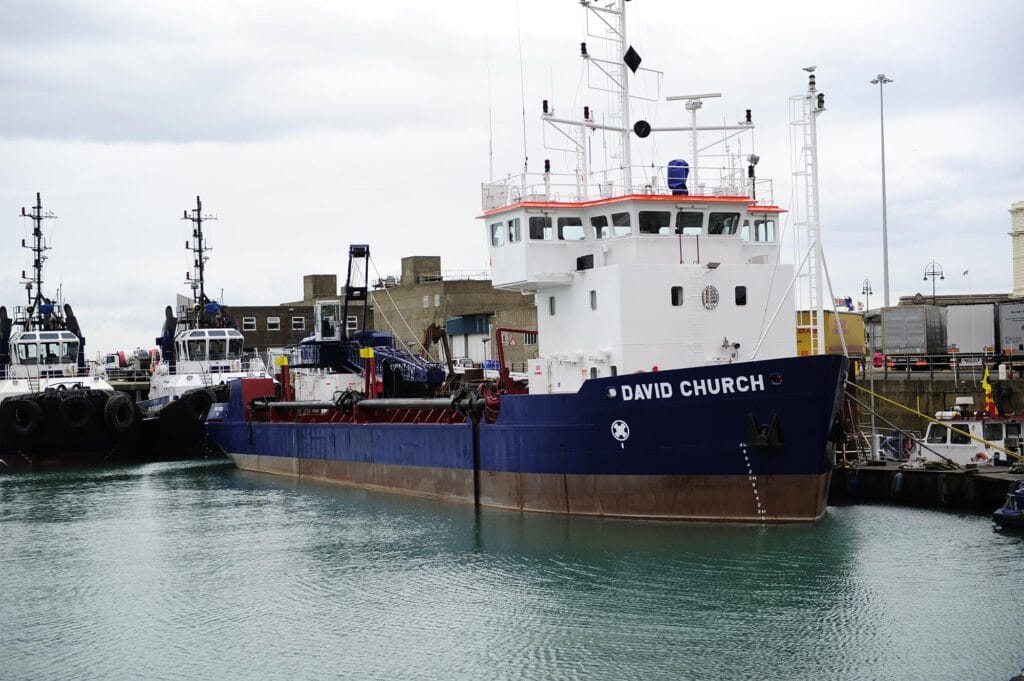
(31, 348)
(201, 345)
(538, 244)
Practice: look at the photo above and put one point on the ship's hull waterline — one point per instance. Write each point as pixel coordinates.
(741, 442)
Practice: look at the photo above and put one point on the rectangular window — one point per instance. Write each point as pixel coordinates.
(689, 223)
(956, 438)
(764, 230)
(1012, 430)
(351, 323)
(273, 323)
(530, 338)
(614, 370)
(551, 305)
(497, 234)
(248, 323)
(570, 229)
(593, 300)
(600, 225)
(937, 434)
(741, 295)
(593, 372)
(426, 302)
(541, 229)
(655, 221)
(620, 221)
(993, 432)
(437, 300)
(723, 224)
(298, 323)
(677, 296)
(513, 231)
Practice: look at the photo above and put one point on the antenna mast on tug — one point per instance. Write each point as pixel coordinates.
(198, 248)
(34, 284)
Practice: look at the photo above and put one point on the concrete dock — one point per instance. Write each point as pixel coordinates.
(977, 489)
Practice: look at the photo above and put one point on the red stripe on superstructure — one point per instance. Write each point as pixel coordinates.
(659, 198)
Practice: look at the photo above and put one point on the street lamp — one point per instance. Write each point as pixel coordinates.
(866, 292)
(880, 81)
(933, 270)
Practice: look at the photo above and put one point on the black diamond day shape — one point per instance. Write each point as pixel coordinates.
(632, 59)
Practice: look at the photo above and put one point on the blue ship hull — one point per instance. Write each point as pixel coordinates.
(740, 442)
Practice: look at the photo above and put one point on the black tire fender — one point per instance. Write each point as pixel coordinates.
(75, 412)
(199, 402)
(25, 417)
(119, 413)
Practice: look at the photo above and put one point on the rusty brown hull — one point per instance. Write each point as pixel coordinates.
(765, 498)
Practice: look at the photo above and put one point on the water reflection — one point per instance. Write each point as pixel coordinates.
(200, 570)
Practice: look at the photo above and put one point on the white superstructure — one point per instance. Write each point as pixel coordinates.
(203, 358)
(645, 267)
(44, 360)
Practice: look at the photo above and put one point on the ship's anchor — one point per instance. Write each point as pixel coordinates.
(764, 434)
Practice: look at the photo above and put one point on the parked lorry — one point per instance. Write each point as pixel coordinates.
(1011, 329)
(914, 335)
(971, 332)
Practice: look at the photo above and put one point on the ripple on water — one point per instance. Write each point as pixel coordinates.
(200, 571)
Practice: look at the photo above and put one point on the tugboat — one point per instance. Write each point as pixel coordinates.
(1011, 514)
(667, 385)
(53, 409)
(200, 351)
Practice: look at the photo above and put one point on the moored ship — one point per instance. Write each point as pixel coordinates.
(666, 385)
(54, 409)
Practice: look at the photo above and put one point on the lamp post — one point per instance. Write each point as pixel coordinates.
(933, 270)
(880, 81)
(866, 292)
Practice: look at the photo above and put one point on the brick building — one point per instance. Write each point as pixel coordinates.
(465, 305)
(275, 326)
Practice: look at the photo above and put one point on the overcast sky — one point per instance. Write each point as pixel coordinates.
(307, 126)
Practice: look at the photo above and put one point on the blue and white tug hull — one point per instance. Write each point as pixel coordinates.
(737, 442)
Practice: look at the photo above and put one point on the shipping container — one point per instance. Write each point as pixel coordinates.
(1011, 328)
(852, 324)
(914, 330)
(971, 329)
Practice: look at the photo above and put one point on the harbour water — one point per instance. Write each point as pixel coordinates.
(197, 570)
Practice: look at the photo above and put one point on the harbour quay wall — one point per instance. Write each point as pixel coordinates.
(979, 489)
(928, 395)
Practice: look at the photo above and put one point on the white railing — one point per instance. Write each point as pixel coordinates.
(647, 180)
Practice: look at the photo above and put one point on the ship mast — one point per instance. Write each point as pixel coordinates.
(34, 284)
(198, 247)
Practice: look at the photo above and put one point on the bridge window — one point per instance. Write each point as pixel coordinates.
(570, 229)
(248, 323)
(723, 224)
(274, 323)
(741, 295)
(689, 223)
(956, 438)
(937, 434)
(218, 348)
(551, 305)
(655, 221)
(541, 229)
(677, 296)
(497, 234)
(513, 231)
(620, 221)
(70, 352)
(593, 300)
(197, 350)
(49, 353)
(234, 348)
(28, 353)
(764, 230)
(600, 225)
(993, 432)
(593, 372)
